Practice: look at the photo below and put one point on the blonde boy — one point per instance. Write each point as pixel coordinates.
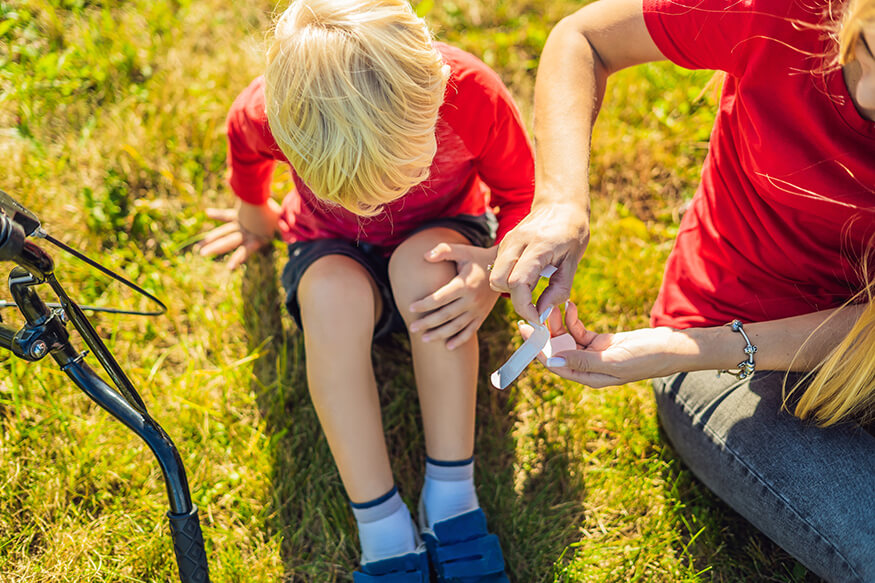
(400, 148)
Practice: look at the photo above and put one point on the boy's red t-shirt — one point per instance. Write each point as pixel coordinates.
(483, 159)
(786, 205)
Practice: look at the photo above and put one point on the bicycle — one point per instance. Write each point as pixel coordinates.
(45, 333)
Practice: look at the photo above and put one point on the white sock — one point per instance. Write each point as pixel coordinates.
(449, 489)
(385, 527)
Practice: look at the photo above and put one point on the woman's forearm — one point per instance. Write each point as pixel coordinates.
(582, 51)
(798, 343)
(568, 92)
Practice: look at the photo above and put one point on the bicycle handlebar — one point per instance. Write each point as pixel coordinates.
(45, 333)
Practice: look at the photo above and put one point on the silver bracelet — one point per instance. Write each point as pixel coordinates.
(746, 367)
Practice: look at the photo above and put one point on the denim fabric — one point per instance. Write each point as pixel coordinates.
(809, 489)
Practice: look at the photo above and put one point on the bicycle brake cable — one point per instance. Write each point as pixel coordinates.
(31, 226)
(40, 233)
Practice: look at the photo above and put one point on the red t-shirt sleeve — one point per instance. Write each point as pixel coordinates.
(252, 151)
(507, 166)
(491, 127)
(714, 34)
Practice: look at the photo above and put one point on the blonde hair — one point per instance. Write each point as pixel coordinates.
(843, 384)
(850, 27)
(352, 91)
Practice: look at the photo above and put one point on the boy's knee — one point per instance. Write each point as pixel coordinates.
(337, 290)
(411, 275)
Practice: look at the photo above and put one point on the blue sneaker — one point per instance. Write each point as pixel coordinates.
(461, 550)
(410, 568)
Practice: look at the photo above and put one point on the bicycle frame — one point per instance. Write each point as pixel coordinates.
(45, 333)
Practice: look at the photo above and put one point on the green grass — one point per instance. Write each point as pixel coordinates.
(112, 130)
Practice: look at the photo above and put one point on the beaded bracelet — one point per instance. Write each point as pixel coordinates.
(746, 367)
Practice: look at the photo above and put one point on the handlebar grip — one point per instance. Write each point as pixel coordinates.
(11, 239)
(188, 544)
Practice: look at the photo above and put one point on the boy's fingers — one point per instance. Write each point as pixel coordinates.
(463, 336)
(243, 252)
(441, 252)
(237, 258)
(443, 296)
(219, 232)
(222, 245)
(222, 214)
(448, 329)
(436, 319)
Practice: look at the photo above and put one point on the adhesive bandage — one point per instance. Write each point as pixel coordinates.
(538, 342)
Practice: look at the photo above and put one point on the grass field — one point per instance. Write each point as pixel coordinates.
(112, 130)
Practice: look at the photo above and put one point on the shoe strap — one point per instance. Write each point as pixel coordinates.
(479, 556)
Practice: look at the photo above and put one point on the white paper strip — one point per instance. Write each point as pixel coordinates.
(539, 341)
(519, 360)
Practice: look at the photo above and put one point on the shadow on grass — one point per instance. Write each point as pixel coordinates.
(308, 507)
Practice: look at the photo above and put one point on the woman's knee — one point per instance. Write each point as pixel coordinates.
(337, 293)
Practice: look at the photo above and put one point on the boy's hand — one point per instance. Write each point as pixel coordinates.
(247, 228)
(455, 311)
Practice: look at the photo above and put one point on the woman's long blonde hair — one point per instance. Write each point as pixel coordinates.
(352, 91)
(843, 385)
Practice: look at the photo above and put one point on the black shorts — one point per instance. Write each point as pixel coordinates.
(479, 230)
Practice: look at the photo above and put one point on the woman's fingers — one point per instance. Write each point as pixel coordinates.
(575, 327)
(594, 380)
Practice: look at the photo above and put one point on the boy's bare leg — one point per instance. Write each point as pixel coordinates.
(446, 379)
(339, 305)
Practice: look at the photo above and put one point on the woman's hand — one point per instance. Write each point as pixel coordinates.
(552, 234)
(247, 228)
(605, 359)
(455, 311)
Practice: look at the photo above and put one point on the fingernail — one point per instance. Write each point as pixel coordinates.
(546, 314)
(520, 323)
(556, 362)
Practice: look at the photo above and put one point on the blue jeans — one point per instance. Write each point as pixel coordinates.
(809, 489)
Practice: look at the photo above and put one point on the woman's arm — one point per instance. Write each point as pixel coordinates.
(581, 52)
(602, 359)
